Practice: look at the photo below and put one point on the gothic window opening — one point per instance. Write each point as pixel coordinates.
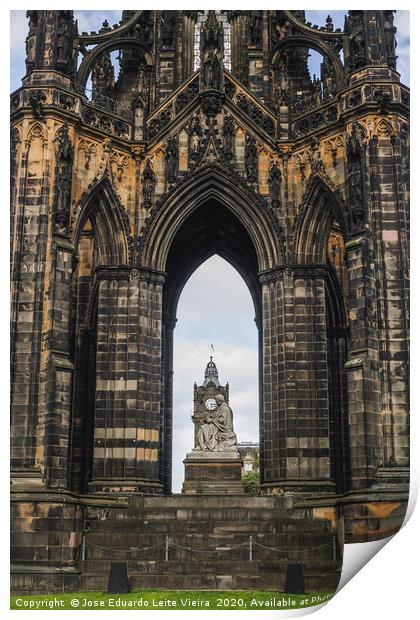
(336, 257)
(222, 17)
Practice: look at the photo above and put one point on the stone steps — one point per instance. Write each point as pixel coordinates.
(201, 524)
(175, 567)
(222, 579)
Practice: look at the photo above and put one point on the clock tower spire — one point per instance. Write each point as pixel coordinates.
(205, 394)
(210, 374)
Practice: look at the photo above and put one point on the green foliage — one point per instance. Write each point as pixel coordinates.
(251, 482)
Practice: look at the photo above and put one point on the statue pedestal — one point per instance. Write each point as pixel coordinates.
(213, 473)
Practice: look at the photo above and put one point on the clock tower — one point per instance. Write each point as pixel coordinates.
(214, 466)
(205, 395)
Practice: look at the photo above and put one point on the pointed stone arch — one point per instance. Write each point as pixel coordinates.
(111, 45)
(36, 130)
(384, 129)
(103, 207)
(321, 206)
(211, 181)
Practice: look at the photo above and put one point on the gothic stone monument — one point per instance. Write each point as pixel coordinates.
(119, 194)
(214, 467)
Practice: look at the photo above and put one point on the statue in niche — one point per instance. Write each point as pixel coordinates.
(229, 131)
(216, 433)
(168, 28)
(329, 84)
(255, 23)
(142, 82)
(282, 91)
(390, 43)
(63, 178)
(356, 40)
(281, 29)
(63, 41)
(211, 53)
(195, 132)
(330, 88)
(251, 159)
(31, 40)
(354, 178)
(274, 181)
(317, 90)
(149, 181)
(171, 157)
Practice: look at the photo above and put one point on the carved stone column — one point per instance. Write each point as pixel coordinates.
(127, 434)
(296, 448)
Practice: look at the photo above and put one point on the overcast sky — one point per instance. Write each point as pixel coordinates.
(215, 306)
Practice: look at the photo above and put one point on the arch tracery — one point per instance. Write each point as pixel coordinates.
(211, 181)
(321, 206)
(102, 206)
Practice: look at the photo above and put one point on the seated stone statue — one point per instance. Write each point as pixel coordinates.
(216, 432)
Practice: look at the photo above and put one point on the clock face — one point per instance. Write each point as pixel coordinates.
(210, 404)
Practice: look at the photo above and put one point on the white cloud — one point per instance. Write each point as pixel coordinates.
(93, 20)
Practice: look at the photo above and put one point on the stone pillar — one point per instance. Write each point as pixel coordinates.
(390, 235)
(55, 425)
(167, 400)
(239, 24)
(29, 355)
(185, 45)
(296, 450)
(127, 434)
(363, 364)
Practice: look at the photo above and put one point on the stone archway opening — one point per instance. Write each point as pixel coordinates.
(230, 336)
(212, 229)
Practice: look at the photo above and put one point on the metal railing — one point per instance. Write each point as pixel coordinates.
(250, 545)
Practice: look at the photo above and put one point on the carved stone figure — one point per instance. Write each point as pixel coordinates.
(171, 157)
(251, 160)
(167, 33)
(194, 131)
(64, 51)
(63, 178)
(31, 40)
(255, 23)
(317, 90)
(329, 26)
(142, 81)
(354, 178)
(356, 40)
(390, 43)
(216, 433)
(228, 136)
(149, 181)
(274, 181)
(36, 100)
(211, 53)
(103, 75)
(282, 91)
(280, 30)
(330, 87)
(105, 27)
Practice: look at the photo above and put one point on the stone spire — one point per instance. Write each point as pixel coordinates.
(211, 374)
(50, 42)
